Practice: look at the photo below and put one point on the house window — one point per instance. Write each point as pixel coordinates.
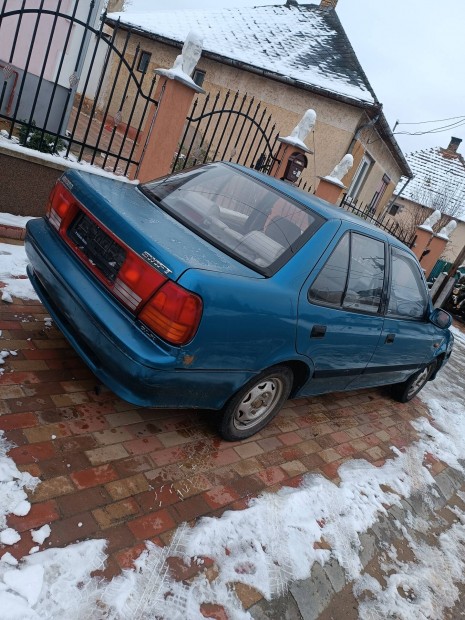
(394, 209)
(144, 60)
(360, 176)
(198, 77)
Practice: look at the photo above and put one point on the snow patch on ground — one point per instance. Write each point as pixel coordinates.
(274, 541)
(13, 261)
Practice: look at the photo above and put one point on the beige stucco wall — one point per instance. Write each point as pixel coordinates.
(413, 212)
(335, 127)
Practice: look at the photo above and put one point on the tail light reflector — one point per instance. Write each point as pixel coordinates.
(173, 313)
(60, 205)
(136, 281)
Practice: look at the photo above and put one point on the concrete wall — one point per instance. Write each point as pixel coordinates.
(26, 182)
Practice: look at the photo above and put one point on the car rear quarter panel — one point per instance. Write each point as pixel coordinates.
(251, 323)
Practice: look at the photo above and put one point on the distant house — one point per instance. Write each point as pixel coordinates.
(439, 183)
(42, 53)
(291, 57)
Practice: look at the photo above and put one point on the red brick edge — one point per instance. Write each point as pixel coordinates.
(12, 232)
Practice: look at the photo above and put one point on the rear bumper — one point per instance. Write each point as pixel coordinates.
(108, 339)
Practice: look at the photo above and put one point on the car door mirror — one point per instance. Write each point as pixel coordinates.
(440, 318)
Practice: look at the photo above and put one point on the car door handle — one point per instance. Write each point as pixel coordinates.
(390, 338)
(318, 331)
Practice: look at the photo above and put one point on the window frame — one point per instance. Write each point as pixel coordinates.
(360, 176)
(398, 317)
(199, 73)
(142, 55)
(386, 280)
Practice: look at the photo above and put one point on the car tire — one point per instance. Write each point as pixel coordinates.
(256, 403)
(405, 391)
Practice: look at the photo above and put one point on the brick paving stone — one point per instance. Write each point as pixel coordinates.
(112, 435)
(99, 456)
(247, 467)
(40, 514)
(152, 524)
(249, 449)
(11, 391)
(47, 432)
(189, 509)
(33, 452)
(114, 514)
(72, 529)
(143, 445)
(132, 485)
(272, 475)
(91, 498)
(220, 496)
(54, 487)
(94, 476)
(70, 399)
(17, 420)
(133, 465)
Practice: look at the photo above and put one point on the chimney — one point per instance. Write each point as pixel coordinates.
(454, 144)
(328, 4)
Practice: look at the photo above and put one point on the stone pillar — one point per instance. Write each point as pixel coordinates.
(423, 237)
(287, 149)
(163, 129)
(329, 189)
(436, 248)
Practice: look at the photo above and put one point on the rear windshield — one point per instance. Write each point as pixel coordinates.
(237, 213)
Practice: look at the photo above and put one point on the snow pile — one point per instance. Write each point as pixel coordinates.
(18, 221)
(13, 261)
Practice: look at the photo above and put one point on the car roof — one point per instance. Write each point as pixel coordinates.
(320, 206)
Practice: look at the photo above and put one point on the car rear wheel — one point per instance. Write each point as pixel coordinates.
(254, 405)
(403, 392)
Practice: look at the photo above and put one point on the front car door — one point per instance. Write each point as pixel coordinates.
(339, 323)
(408, 338)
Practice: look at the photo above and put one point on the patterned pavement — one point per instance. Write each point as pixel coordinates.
(111, 469)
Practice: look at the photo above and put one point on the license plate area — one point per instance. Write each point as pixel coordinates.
(101, 250)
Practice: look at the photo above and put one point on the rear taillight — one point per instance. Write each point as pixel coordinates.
(173, 313)
(136, 280)
(61, 204)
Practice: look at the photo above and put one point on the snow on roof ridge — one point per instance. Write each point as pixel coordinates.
(292, 42)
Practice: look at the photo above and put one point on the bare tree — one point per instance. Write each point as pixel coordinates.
(449, 199)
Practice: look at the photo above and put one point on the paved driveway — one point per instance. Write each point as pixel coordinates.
(113, 470)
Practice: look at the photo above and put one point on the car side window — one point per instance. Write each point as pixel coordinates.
(366, 277)
(353, 276)
(329, 286)
(408, 297)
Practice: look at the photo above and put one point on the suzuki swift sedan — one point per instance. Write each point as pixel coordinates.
(222, 288)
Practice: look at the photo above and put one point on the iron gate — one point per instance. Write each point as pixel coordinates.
(229, 128)
(83, 94)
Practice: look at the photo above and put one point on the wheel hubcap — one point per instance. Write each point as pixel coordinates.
(258, 403)
(419, 382)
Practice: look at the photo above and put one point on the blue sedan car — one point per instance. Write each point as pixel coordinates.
(222, 288)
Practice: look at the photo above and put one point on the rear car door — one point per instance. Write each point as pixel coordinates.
(408, 338)
(339, 323)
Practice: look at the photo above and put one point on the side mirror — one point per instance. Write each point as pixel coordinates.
(440, 318)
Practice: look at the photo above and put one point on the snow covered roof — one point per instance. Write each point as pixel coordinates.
(303, 43)
(439, 179)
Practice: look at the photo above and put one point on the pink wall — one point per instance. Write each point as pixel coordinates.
(8, 30)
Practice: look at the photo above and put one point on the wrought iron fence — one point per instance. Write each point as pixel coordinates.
(351, 205)
(231, 127)
(72, 85)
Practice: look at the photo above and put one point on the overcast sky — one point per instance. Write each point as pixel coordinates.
(413, 52)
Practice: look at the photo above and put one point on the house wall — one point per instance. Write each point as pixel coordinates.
(411, 213)
(335, 127)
